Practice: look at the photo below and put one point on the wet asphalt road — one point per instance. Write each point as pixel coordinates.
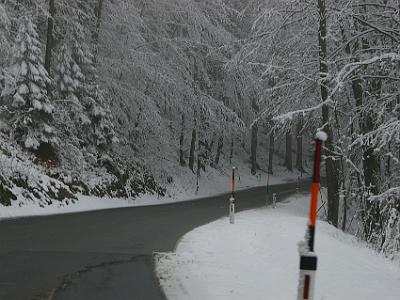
(107, 254)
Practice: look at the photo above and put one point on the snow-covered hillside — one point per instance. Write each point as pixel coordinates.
(257, 258)
(126, 98)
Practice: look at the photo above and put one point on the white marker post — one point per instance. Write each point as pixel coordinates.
(308, 258)
(232, 199)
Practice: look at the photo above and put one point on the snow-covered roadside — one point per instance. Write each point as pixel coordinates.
(217, 182)
(257, 258)
(214, 182)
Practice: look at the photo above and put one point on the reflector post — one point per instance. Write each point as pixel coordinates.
(306, 292)
(308, 259)
(233, 181)
(232, 199)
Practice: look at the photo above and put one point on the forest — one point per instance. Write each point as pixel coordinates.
(121, 98)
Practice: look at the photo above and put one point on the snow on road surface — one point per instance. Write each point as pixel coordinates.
(257, 258)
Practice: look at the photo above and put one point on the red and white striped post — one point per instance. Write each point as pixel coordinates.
(232, 199)
(308, 258)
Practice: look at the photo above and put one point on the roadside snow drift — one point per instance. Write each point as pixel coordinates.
(214, 183)
(257, 258)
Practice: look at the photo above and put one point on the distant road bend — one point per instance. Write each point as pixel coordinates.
(106, 254)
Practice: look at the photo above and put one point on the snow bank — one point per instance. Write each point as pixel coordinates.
(183, 189)
(257, 258)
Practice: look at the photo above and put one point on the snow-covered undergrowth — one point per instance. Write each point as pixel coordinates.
(184, 187)
(29, 186)
(257, 258)
(21, 180)
(218, 180)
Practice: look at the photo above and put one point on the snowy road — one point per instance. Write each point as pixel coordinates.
(104, 254)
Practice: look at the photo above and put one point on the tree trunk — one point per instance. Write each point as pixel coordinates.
(50, 37)
(96, 34)
(371, 180)
(208, 151)
(253, 150)
(371, 162)
(332, 166)
(398, 118)
(202, 155)
(356, 85)
(192, 149)
(368, 161)
(219, 149)
(389, 165)
(299, 145)
(271, 151)
(198, 174)
(99, 10)
(288, 154)
(372, 169)
(181, 142)
(200, 162)
(344, 221)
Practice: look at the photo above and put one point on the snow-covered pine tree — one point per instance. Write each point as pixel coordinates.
(96, 120)
(83, 57)
(69, 77)
(102, 134)
(68, 82)
(33, 110)
(4, 45)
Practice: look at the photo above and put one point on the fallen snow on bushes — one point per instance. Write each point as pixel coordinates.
(184, 188)
(257, 258)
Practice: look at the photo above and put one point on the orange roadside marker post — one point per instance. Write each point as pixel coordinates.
(308, 258)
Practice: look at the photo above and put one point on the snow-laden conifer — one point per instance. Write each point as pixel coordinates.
(69, 77)
(4, 45)
(102, 132)
(96, 119)
(33, 110)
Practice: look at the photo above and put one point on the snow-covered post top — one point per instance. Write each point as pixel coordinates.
(321, 136)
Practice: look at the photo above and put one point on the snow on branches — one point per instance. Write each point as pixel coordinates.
(33, 110)
(4, 45)
(69, 77)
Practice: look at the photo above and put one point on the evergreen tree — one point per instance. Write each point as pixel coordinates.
(102, 132)
(69, 77)
(33, 109)
(83, 57)
(96, 120)
(4, 45)
(69, 81)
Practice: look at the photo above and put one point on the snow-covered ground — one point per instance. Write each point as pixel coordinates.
(257, 258)
(212, 183)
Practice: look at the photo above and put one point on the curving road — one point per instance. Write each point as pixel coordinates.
(105, 254)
